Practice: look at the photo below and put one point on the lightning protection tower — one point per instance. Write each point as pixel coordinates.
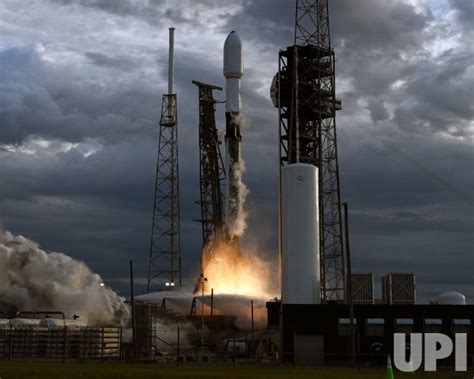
(164, 268)
(304, 92)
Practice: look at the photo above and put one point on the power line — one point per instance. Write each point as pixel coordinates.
(21, 14)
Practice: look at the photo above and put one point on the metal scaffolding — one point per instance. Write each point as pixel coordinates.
(211, 166)
(307, 108)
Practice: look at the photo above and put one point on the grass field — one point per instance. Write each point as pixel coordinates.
(55, 370)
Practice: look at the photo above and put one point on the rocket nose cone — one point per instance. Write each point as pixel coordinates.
(233, 41)
(233, 56)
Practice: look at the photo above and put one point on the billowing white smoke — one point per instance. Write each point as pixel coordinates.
(242, 120)
(33, 279)
(238, 226)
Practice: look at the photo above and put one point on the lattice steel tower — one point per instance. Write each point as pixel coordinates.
(164, 268)
(211, 166)
(304, 92)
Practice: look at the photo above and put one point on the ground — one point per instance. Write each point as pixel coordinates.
(59, 370)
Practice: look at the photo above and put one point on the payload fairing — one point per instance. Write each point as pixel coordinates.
(233, 72)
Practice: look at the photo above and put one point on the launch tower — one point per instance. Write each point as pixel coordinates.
(304, 92)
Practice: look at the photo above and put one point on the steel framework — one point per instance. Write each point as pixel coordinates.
(307, 108)
(211, 166)
(165, 259)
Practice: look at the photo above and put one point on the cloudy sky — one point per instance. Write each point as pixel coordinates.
(80, 92)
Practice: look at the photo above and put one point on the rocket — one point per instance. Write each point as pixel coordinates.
(233, 72)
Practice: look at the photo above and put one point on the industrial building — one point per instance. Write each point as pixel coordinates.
(320, 333)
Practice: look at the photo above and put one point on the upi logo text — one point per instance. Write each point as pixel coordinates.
(436, 346)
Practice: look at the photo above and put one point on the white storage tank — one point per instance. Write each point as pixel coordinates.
(452, 298)
(300, 235)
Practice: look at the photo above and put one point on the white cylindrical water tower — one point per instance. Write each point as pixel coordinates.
(300, 277)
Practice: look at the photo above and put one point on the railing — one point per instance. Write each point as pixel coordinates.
(60, 343)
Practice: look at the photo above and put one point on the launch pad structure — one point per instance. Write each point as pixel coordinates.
(304, 93)
(211, 166)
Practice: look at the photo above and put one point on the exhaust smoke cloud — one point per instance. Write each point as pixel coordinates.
(33, 279)
(238, 224)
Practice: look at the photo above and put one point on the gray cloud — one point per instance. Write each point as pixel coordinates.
(190, 12)
(378, 26)
(465, 12)
(100, 59)
(44, 100)
(80, 93)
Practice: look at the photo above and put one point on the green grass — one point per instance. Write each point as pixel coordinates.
(86, 370)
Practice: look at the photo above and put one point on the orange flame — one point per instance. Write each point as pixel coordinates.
(229, 270)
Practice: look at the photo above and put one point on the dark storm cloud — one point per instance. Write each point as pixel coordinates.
(100, 59)
(79, 112)
(396, 222)
(440, 96)
(264, 22)
(378, 112)
(465, 12)
(382, 43)
(191, 12)
(377, 26)
(43, 100)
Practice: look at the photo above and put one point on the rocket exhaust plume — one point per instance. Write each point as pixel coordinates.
(228, 268)
(231, 270)
(33, 279)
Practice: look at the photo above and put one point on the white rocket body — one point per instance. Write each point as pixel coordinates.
(233, 72)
